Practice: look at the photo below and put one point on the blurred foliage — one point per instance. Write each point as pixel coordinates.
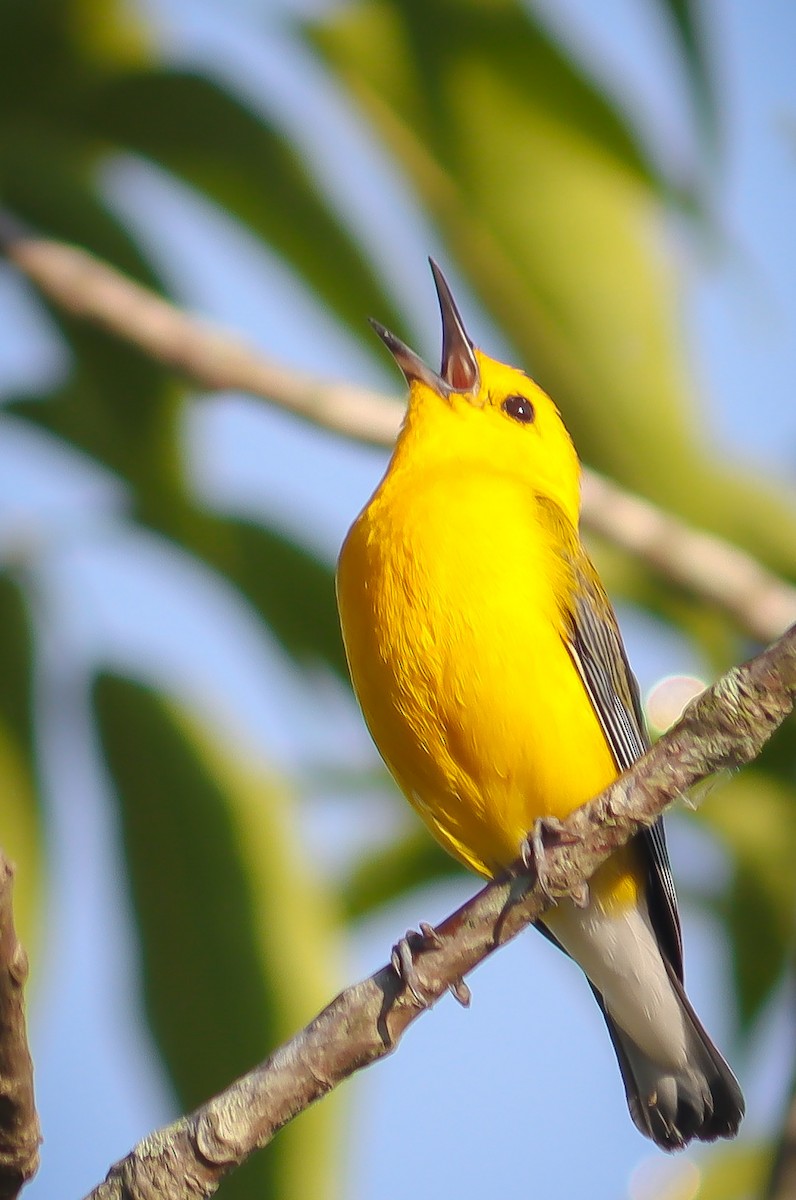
(560, 218)
(738, 1172)
(22, 832)
(232, 919)
(383, 875)
(753, 817)
(553, 211)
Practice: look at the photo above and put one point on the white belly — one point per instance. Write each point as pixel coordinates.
(619, 953)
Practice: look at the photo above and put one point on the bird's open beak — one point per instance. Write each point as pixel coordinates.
(459, 367)
(410, 363)
(459, 370)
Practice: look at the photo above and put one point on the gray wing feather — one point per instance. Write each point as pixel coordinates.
(598, 653)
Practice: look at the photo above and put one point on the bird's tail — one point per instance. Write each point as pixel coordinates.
(701, 1100)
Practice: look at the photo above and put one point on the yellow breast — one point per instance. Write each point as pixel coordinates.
(449, 590)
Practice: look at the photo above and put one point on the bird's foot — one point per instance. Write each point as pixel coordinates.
(546, 833)
(403, 963)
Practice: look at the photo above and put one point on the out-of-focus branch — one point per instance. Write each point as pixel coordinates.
(761, 603)
(211, 357)
(725, 726)
(20, 1134)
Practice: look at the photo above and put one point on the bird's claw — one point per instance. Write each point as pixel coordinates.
(548, 831)
(430, 935)
(461, 992)
(403, 963)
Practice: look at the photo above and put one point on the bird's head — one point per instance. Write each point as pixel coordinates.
(482, 413)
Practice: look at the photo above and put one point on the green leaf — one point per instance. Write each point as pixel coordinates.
(735, 1172)
(383, 875)
(385, 872)
(47, 179)
(686, 17)
(237, 934)
(16, 676)
(117, 407)
(291, 588)
(20, 834)
(126, 411)
(192, 127)
(39, 60)
(20, 815)
(122, 409)
(755, 818)
(562, 233)
(52, 51)
(431, 46)
(116, 404)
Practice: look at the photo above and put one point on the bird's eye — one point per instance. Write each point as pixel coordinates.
(519, 408)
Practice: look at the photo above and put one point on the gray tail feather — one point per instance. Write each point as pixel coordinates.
(702, 1101)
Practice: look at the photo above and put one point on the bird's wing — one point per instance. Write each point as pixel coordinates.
(595, 646)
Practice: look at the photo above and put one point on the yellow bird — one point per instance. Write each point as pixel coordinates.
(491, 672)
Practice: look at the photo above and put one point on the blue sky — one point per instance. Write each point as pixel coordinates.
(527, 1075)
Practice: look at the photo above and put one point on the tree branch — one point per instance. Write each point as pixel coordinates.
(758, 601)
(724, 727)
(211, 357)
(20, 1134)
(762, 604)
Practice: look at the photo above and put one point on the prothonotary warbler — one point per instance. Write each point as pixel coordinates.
(488, 663)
